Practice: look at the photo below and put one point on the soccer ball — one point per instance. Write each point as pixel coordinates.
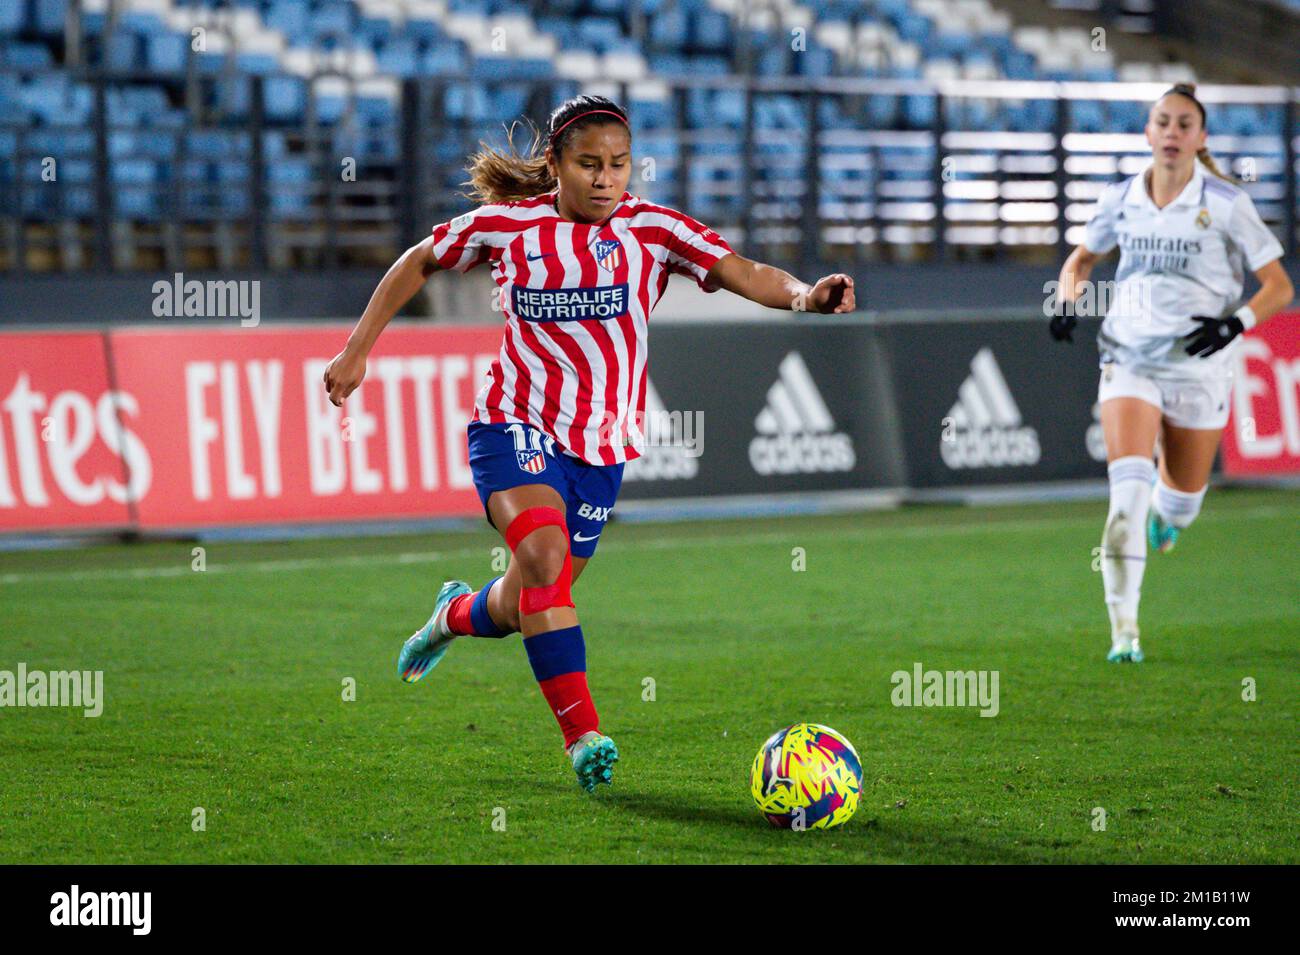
(806, 776)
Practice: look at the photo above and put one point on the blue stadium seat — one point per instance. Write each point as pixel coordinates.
(375, 29)
(284, 97)
(50, 17)
(711, 31)
(649, 114)
(446, 58)
(165, 53)
(399, 57)
(376, 109)
(815, 61)
(13, 17)
(26, 56)
(466, 101)
(669, 30)
(124, 52)
(598, 33)
(918, 111)
(290, 17)
(332, 19)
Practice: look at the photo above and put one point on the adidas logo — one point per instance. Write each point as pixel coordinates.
(796, 434)
(984, 428)
(667, 455)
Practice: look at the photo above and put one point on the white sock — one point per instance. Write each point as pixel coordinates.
(1124, 540)
(1177, 508)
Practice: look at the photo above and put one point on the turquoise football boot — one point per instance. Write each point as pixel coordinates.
(1125, 647)
(422, 651)
(1161, 536)
(594, 757)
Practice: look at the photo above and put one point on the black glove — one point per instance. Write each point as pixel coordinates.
(1063, 320)
(1213, 335)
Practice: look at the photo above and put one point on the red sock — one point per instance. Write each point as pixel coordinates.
(468, 614)
(571, 703)
(458, 620)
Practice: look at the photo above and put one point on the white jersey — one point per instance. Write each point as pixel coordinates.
(1183, 260)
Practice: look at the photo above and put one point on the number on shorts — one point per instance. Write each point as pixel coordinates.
(530, 439)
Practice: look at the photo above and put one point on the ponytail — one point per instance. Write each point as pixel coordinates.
(506, 175)
(1208, 162)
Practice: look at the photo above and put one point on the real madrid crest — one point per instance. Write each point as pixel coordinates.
(1203, 219)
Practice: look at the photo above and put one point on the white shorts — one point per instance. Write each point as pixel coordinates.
(1185, 403)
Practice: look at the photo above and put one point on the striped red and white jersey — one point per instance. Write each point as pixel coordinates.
(577, 299)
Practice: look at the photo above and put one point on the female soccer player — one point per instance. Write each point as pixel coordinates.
(581, 263)
(1184, 231)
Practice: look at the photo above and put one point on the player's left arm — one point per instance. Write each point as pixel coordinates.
(770, 286)
(1263, 256)
(1214, 333)
(1275, 291)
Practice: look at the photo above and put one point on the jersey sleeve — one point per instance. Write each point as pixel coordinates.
(464, 242)
(1249, 233)
(1099, 235)
(693, 248)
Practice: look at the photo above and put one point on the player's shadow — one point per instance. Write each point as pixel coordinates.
(662, 807)
(880, 837)
(879, 842)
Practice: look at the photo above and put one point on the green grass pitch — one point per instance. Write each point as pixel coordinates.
(224, 690)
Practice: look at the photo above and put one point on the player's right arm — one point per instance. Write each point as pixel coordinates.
(1099, 240)
(345, 373)
(1076, 271)
(1074, 274)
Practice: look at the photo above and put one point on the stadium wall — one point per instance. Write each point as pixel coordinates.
(149, 430)
(297, 296)
(97, 299)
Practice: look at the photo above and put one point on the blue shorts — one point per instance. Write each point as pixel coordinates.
(502, 456)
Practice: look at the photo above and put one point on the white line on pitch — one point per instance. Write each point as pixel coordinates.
(728, 540)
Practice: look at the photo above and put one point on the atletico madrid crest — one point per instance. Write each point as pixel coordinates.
(534, 462)
(609, 254)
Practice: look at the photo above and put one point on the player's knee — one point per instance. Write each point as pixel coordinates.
(539, 539)
(541, 556)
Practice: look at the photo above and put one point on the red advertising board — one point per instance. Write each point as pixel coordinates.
(1263, 434)
(62, 446)
(234, 426)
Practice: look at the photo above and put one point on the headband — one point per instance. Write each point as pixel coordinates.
(590, 112)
